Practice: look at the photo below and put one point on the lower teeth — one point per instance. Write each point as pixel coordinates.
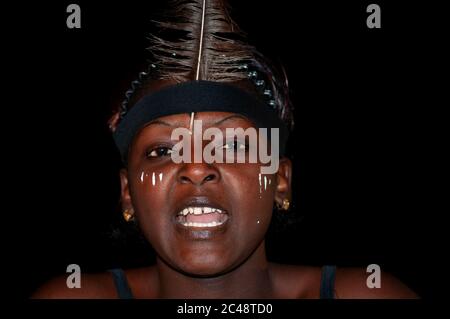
(193, 224)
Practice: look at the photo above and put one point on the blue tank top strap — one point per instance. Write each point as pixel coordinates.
(121, 283)
(327, 282)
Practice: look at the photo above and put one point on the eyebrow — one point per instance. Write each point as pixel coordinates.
(179, 124)
(158, 122)
(231, 117)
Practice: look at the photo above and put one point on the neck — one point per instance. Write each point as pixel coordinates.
(249, 280)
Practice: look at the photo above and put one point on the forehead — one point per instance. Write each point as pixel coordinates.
(220, 119)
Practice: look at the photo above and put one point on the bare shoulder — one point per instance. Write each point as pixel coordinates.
(93, 286)
(351, 283)
(101, 286)
(293, 281)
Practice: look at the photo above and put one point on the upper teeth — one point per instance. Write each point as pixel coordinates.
(199, 210)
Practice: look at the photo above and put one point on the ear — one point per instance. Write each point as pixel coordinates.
(125, 190)
(284, 176)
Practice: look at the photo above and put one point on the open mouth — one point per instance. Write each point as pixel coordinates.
(201, 217)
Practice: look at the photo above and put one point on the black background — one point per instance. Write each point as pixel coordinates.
(360, 150)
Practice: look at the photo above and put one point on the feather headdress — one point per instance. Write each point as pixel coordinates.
(197, 40)
(207, 47)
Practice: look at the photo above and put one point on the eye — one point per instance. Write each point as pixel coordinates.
(158, 152)
(235, 145)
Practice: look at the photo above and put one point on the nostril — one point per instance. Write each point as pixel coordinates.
(185, 179)
(197, 175)
(210, 177)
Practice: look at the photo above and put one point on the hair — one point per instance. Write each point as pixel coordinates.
(193, 42)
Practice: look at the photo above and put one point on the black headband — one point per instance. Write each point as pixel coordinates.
(197, 96)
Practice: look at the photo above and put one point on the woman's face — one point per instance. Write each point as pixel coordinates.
(202, 219)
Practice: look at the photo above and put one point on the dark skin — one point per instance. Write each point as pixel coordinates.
(225, 262)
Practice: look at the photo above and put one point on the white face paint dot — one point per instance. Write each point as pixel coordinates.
(160, 177)
(142, 177)
(153, 179)
(257, 222)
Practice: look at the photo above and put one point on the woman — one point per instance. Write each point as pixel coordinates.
(207, 217)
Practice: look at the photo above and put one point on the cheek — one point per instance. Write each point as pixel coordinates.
(151, 197)
(149, 189)
(252, 194)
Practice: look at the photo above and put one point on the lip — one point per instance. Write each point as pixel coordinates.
(200, 232)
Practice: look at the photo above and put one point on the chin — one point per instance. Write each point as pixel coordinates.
(205, 266)
(204, 271)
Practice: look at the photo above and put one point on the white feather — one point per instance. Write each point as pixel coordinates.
(200, 50)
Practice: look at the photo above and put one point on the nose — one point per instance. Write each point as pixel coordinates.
(198, 174)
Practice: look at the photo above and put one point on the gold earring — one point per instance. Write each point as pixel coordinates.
(285, 205)
(128, 215)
